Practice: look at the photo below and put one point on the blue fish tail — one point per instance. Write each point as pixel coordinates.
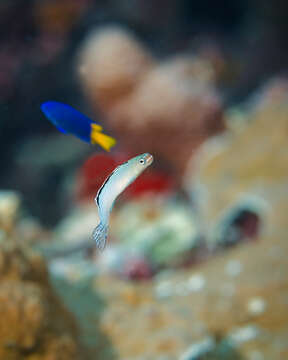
(100, 234)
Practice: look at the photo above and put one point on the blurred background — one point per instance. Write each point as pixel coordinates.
(195, 266)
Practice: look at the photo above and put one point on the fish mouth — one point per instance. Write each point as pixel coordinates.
(149, 159)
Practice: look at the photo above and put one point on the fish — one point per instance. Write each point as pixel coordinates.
(122, 176)
(71, 121)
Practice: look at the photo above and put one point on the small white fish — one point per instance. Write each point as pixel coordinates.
(115, 183)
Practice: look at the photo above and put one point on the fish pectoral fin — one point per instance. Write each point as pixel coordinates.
(101, 139)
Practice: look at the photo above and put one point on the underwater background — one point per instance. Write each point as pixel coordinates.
(195, 266)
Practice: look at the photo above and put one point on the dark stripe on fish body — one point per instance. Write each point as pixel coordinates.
(101, 188)
(105, 182)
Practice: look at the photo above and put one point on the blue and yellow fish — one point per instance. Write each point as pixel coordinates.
(71, 121)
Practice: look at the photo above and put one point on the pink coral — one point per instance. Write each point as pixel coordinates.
(111, 64)
(168, 108)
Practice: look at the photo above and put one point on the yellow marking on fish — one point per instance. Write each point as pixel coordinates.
(97, 137)
(96, 127)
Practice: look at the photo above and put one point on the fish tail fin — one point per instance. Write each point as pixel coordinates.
(96, 127)
(100, 235)
(97, 137)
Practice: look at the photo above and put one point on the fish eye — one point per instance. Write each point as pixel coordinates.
(142, 161)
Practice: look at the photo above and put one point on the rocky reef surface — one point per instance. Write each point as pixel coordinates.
(242, 175)
(234, 304)
(195, 266)
(212, 265)
(238, 300)
(34, 324)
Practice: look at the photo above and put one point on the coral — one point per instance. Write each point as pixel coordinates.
(160, 233)
(106, 80)
(12, 221)
(159, 229)
(33, 322)
(9, 210)
(169, 108)
(165, 317)
(244, 171)
(240, 297)
(78, 224)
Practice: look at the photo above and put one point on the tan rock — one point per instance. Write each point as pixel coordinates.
(152, 326)
(245, 168)
(9, 210)
(33, 322)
